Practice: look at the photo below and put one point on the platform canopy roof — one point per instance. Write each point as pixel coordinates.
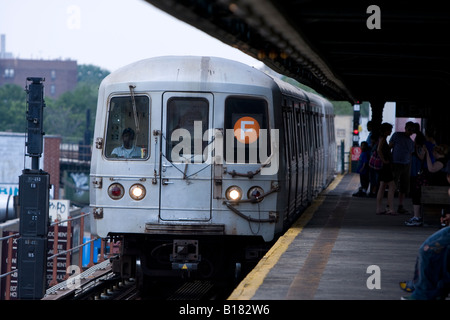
(346, 50)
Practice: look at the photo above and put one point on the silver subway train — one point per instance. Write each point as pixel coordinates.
(195, 153)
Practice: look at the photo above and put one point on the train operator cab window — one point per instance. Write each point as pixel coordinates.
(127, 128)
(247, 136)
(187, 122)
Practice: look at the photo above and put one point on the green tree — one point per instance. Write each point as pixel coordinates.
(90, 74)
(365, 106)
(66, 116)
(13, 108)
(342, 108)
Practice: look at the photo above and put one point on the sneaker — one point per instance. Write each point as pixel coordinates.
(414, 222)
(407, 286)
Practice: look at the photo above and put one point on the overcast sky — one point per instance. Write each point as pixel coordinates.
(106, 33)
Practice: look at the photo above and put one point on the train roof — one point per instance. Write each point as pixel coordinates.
(289, 89)
(314, 98)
(190, 69)
(198, 71)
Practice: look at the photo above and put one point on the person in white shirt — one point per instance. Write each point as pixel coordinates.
(127, 149)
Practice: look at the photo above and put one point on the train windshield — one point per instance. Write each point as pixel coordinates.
(128, 128)
(247, 136)
(187, 122)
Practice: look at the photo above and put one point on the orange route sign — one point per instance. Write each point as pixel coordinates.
(246, 130)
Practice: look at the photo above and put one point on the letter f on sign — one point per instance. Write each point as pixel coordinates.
(244, 129)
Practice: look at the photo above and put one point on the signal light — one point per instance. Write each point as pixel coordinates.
(254, 193)
(355, 132)
(115, 191)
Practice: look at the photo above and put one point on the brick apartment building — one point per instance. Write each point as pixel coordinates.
(60, 75)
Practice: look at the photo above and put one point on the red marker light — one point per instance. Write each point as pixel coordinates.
(116, 191)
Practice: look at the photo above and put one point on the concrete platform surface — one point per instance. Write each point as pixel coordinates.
(339, 249)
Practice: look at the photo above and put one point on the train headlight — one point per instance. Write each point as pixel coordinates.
(116, 191)
(254, 193)
(234, 193)
(137, 191)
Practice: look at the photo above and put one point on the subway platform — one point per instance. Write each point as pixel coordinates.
(339, 249)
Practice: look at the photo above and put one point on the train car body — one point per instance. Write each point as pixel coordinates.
(204, 148)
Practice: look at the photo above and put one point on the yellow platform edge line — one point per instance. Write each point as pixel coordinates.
(250, 284)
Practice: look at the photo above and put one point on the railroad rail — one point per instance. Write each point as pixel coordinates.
(96, 283)
(100, 283)
(77, 284)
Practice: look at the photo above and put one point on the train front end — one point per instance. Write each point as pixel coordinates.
(185, 160)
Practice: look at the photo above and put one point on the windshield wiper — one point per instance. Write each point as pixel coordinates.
(133, 102)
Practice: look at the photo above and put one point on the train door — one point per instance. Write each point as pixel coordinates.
(305, 154)
(310, 144)
(321, 150)
(315, 161)
(185, 173)
(293, 160)
(290, 158)
(318, 151)
(287, 153)
(300, 147)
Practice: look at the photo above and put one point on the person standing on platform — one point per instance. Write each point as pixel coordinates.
(363, 170)
(373, 173)
(418, 177)
(435, 175)
(402, 148)
(386, 178)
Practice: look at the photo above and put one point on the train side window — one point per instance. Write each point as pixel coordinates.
(299, 132)
(314, 130)
(310, 132)
(319, 130)
(186, 118)
(304, 130)
(127, 128)
(247, 118)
